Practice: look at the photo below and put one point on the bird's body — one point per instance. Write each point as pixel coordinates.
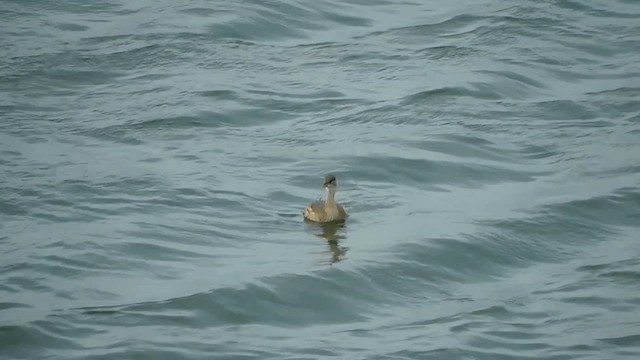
(323, 211)
(328, 210)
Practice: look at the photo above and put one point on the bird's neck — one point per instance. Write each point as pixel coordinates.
(331, 195)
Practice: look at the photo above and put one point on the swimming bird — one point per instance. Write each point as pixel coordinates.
(328, 210)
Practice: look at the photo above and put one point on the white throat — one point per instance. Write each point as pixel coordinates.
(331, 194)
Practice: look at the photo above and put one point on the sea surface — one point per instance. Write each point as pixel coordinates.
(156, 156)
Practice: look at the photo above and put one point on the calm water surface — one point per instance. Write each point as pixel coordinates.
(155, 157)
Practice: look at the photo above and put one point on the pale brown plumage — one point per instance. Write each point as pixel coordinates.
(328, 210)
(322, 212)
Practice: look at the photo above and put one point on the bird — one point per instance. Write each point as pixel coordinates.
(328, 210)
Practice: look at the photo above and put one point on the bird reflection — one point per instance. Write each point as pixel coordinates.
(332, 233)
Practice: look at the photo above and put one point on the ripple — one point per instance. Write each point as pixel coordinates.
(23, 340)
(424, 173)
(437, 95)
(449, 52)
(71, 27)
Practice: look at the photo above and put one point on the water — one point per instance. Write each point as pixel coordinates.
(156, 157)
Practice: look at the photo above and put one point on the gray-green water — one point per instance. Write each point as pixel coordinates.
(156, 156)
